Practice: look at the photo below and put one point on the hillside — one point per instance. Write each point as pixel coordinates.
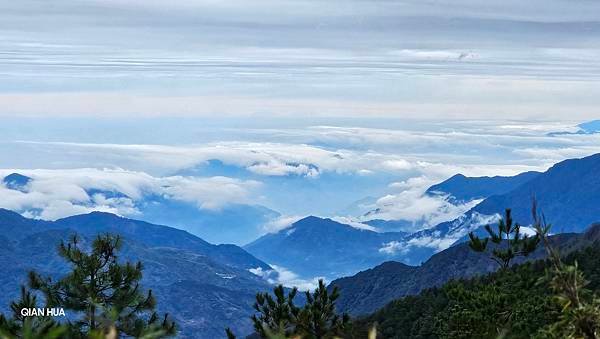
(204, 287)
(568, 194)
(322, 247)
(234, 223)
(514, 302)
(460, 188)
(370, 290)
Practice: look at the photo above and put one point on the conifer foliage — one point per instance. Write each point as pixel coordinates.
(318, 318)
(508, 240)
(20, 326)
(580, 307)
(278, 317)
(276, 314)
(105, 292)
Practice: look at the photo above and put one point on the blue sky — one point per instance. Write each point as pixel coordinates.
(307, 105)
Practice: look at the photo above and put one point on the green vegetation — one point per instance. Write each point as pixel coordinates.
(508, 240)
(101, 297)
(543, 299)
(278, 317)
(580, 315)
(515, 303)
(29, 327)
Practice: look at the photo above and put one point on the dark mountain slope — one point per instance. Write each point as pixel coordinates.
(175, 264)
(159, 236)
(234, 223)
(568, 194)
(458, 189)
(322, 247)
(478, 307)
(370, 290)
(373, 286)
(16, 181)
(16, 226)
(463, 189)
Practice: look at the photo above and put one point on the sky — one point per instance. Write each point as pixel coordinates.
(305, 107)
(462, 59)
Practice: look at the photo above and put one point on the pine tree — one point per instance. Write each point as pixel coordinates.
(20, 326)
(318, 318)
(580, 307)
(509, 241)
(106, 292)
(278, 317)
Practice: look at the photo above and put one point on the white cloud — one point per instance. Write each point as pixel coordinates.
(401, 161)
(264, 158)
(274, 168)
(285, 221)
(354, 223)
(54, 194)
(412, 204)
(133, 61)
(529, 231)
(436, 243)
(281, 223)
(393, 247)
(208, 193)
(281, 275)
(398, 165)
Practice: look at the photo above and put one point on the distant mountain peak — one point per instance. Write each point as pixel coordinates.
(302, 247)
(590, 127)
(461, 188)
(17, 182)
(458, 176)
(310, 220)
(105, 214)
(99, 216)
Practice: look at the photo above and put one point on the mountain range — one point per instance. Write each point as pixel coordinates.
(209, 287)
(317, 247)
(205, 287)
(568, 194)
(234, 223)
(372, 289)
(460, 188)
(589, 127)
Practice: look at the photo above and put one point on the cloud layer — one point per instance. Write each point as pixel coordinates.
(54, 194)
(410, 203)
(413, 59)
(294, 169)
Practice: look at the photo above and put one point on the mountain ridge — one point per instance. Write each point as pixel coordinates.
(369, 290)
(174, 261)
(463, 189)
(302, 246)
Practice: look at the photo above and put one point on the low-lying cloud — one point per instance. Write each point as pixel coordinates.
(54, 194)
(411, 203)
(282, 275)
